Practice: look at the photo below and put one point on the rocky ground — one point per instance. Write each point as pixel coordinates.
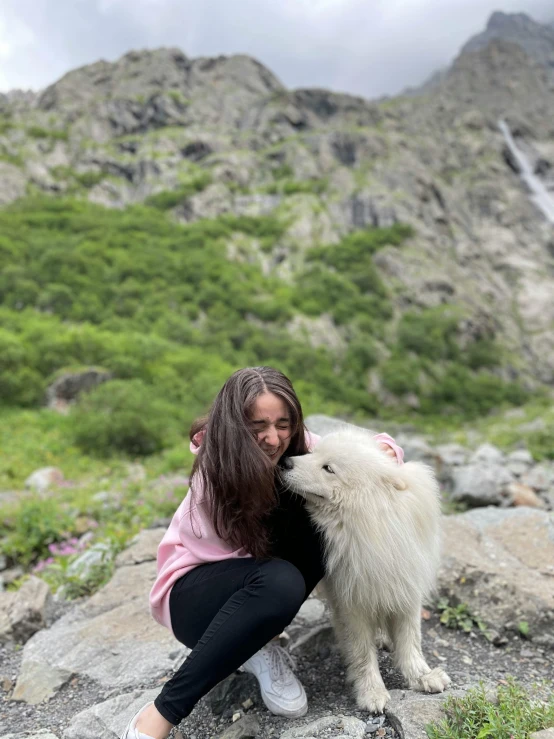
(468, 658)
(79, 669)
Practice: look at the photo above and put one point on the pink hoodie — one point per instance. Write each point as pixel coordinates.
(190, 540)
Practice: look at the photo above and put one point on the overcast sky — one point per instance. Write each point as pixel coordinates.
(366, 47)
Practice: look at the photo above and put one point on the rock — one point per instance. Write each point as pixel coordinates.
(35, 684)
(523, 495)
(142, 548)
(232, 692)
(108, 719)
(110, 638)
(247, 727)
(480, 484)
(323, 425)
(98, 554)
(43, 478)
(493, 560)
(540, 477)
(523, 456)
(409, 712)
(40, 734)
(13, 182)
(315, 644)
(340, 726)
(486, 454)
(67, 388)
(452, 455)
(544, 734)
(23, 612)
(417, 449)
(10, 575)
(311, 611)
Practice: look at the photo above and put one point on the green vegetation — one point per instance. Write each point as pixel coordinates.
(37, 132)
(85, 180)
(5, 125)
(293, 187)
(513, 714)
(458, 616)
(170, 198)
(178, 97)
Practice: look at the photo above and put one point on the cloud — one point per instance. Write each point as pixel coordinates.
(366, 48)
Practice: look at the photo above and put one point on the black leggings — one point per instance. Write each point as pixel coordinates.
(226, 611)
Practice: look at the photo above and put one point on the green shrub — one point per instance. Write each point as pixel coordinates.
(283, 171)
(401, 375)
(431, 333)
(123, 416)
(5, 125)
(541, 443)
(170, 198)
(514, 714)
(361, 354)
(89, 179)
(471, 394)
(37, 132)
(39, 522)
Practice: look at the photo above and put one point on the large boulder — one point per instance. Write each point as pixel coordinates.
(23, 612)
(500, 562)
(66, 388)
(110, 637)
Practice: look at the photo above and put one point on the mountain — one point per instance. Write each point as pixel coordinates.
(536, 39)
(460, 306)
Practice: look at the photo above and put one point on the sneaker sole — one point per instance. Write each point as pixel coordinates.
(278, 710)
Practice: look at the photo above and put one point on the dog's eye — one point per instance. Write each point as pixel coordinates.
(328, 469)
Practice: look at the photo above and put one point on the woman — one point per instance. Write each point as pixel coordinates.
(240, 555)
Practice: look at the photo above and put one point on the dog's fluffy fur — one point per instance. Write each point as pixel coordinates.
(381, 525)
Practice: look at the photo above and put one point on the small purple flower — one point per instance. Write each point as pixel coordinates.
(43, 564)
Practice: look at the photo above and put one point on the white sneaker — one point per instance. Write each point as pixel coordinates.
(281, 690)
(133, 733)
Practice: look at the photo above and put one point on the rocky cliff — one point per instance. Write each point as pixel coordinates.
(535, 39)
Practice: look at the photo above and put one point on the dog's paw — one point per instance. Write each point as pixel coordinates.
(373, 701)
(433, 682)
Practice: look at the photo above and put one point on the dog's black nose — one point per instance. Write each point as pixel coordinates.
(287, 463)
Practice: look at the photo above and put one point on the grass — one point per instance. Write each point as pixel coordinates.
(38, 132)
(30, 439)
(514, 715)
(33, 523)
(503, 428)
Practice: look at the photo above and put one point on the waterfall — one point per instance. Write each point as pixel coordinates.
(539, 194)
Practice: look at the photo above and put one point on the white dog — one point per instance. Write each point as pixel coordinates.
(381, 527)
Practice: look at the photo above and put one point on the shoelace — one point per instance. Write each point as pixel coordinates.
(281, 664)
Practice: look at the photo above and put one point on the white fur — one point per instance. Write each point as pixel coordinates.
(381, 526)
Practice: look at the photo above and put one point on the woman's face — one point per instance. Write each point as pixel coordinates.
(270, 419)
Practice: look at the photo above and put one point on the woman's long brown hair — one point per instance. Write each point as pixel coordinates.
(238, 478)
